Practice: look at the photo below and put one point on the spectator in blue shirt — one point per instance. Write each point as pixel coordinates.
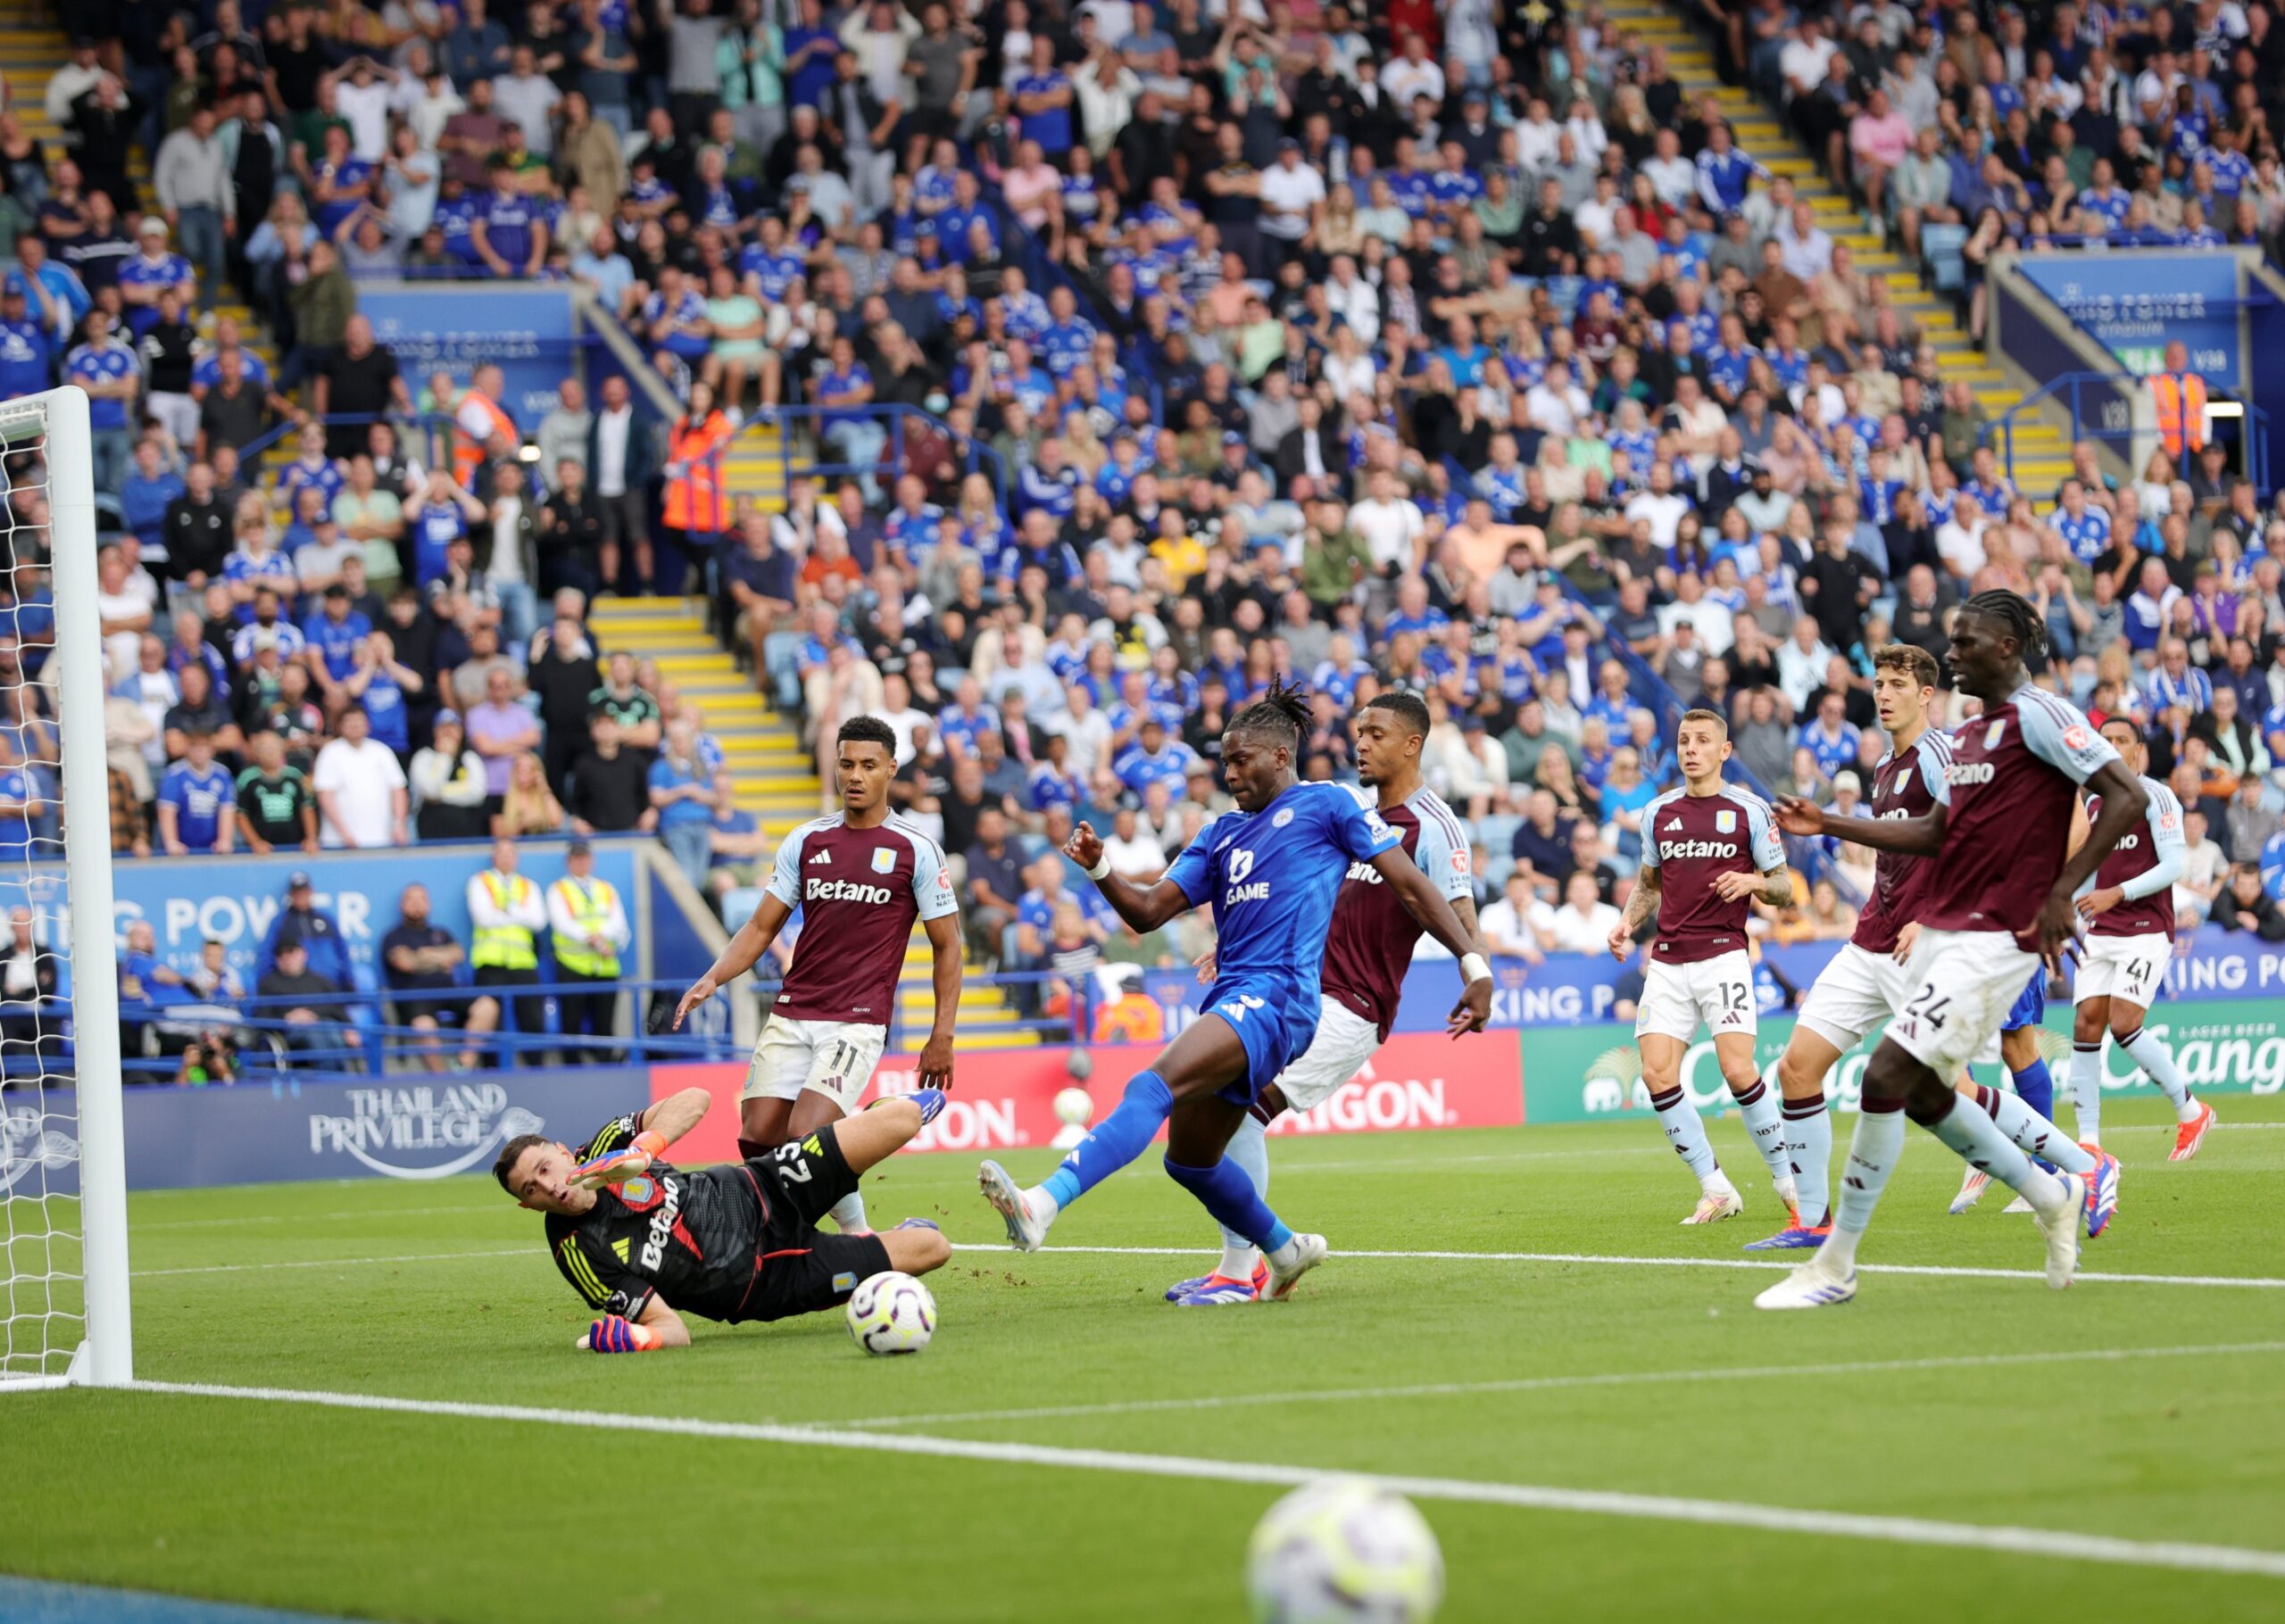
(1154, 758)
(846, 389)
(198, 808)
(1830, 739)
(1043, 99)
(507, 232)
(106, 367)
(682, 793)
(26, 344)
(150, 487)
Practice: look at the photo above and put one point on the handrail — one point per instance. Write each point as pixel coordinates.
(2065, 388)
(433, 422)
(975, 454)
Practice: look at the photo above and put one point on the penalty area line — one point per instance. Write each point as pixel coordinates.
(2050, 1543)
(1948, 1271)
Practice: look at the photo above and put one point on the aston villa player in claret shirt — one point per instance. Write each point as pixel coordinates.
(861, 877)
(2130, 917)
(1709, 849)
(2001, 897)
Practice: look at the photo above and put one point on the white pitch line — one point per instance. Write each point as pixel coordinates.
(1946, 1269)
(2052, 1543)
(334, 1262)
(1537, 1384)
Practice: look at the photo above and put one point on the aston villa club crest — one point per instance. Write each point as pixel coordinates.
(884, 861)
(1992, 734)
(1725, 823)
(1903, 781)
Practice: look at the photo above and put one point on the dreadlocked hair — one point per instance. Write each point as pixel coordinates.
(2023, 622)
(1282, 708)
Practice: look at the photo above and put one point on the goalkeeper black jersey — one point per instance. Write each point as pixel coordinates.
(693, 1238)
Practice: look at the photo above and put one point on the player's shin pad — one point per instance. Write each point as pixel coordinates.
(1224, 1191)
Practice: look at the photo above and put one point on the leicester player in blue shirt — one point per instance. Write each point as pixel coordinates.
(1270, 869)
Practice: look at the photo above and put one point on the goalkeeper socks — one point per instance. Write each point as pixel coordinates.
(1124, 1135)
(848, 1214)
(1226, 1192)
(2031, 1132)
(2087, 1090)
(1249, 1151)
(1766, 1123)
(1685, 1130)
(1976, 1138)
(1808, 1147)
(2150, 1052)
(1874, 1151)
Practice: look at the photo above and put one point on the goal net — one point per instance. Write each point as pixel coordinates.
(64, 1299)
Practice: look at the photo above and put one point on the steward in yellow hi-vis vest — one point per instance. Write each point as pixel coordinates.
(587, 929)
(507, 914)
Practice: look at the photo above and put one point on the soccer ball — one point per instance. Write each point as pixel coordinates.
(1074, 1106)
(1340, 1551)
(891, 1313)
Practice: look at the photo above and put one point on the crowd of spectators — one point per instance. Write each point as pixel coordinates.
(1457, 346)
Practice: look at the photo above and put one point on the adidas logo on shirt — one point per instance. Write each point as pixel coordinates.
(822, 856)
(1672, 824)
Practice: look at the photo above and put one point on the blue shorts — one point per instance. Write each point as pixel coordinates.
(1275, 1022)
(2031, 1008)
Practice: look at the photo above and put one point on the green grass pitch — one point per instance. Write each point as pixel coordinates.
(2006, 1404)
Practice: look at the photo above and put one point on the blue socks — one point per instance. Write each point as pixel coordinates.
(1225, 1191)
(1123, 1136)
(2037, 1088)
(1249, 1150)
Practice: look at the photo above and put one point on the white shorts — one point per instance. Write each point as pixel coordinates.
(1715, 993)
(2129, 967)
(835, 1058)
(1854, 994)
(1345, 1041)
(1965, 983)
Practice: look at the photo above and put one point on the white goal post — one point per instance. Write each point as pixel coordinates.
(65, 1313)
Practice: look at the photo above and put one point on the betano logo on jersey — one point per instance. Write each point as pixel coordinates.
(845, 890)
(1669, 850)
(1968, 772)
(663, 1223)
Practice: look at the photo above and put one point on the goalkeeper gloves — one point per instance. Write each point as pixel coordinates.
(616, 1334)
(618, 1166)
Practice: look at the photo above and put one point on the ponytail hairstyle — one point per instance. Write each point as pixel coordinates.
(1281, 712)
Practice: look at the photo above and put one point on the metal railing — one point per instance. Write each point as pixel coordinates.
(972, 454)
(2098, 419)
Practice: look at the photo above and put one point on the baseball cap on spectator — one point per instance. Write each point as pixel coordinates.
(448, 719)
(1846, 780)
(152, 226)
(579, 849)
(299, 880)
(1231, 436)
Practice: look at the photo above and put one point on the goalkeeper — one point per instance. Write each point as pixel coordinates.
(640, 1239)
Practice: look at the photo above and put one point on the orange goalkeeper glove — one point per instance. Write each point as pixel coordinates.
(616, 1334)
(618, 1166)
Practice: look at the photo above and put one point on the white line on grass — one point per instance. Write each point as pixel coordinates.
(1666, 1508)
(334, 1262)
(1535, 1384)
(1947, 1270)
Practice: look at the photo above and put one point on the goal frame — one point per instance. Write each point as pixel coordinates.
(106, 1356)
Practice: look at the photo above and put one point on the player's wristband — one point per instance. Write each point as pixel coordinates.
(1474, 967)
(1101, 869)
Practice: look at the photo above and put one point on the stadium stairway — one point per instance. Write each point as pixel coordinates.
(2042, 450)
(777, 781)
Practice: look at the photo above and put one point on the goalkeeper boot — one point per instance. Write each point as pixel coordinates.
(1810, 1286)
